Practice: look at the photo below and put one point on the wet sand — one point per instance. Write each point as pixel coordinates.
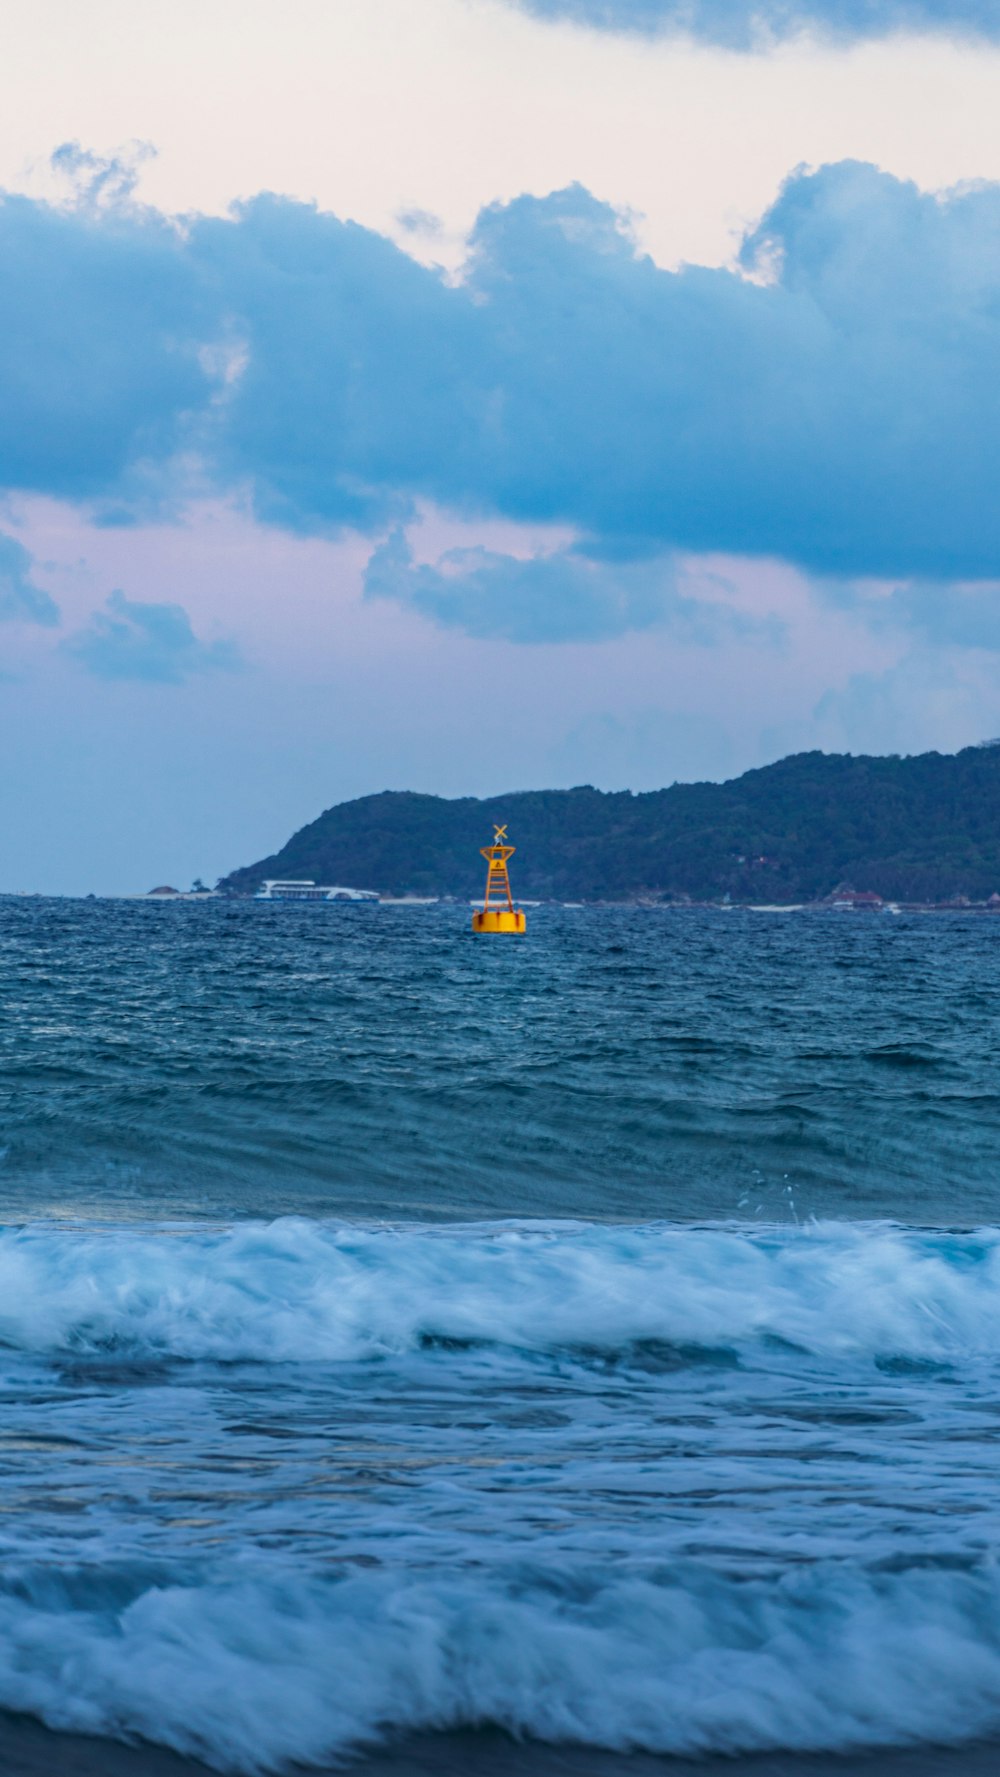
(28, 1750)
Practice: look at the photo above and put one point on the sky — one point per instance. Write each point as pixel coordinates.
(476, 395)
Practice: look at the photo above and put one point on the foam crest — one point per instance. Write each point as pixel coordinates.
(295, 1289)
(252, 1673)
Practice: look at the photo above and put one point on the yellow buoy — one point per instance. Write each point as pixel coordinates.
(498, 913)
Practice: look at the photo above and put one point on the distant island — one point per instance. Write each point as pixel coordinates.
(923, 829)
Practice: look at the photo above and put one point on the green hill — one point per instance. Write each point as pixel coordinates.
(925, 828)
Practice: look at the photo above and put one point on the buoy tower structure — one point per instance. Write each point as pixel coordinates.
(498, 913)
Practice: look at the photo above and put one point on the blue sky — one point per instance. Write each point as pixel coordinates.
(290, 468)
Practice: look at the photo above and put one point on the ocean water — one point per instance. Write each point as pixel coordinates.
(576, 1354)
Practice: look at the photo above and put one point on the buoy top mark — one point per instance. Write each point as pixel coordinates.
(496, 855)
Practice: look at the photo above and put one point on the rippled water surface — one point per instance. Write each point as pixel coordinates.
(594, 1337)
(206, 1060)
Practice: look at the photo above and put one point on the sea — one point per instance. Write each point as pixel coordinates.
(575, 1355)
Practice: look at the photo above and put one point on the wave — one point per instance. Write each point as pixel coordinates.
(253, 1673)
(742, 1590)
(301, 1290)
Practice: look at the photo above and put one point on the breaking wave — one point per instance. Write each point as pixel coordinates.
(300, 1290)
(432, 1511)
(251, 1674)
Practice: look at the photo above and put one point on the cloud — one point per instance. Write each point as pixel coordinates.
(153, 642)
(102, 319)
(959, 616)
(841, 413)
(829, 401)
(963, 615)
(749, 24)
(560, 597)
(928, 699)
(564, 596)
(644, 751)
(417, 221)
(20, 599)
(94, 180)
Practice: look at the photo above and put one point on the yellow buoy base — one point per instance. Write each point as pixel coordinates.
(499, 919)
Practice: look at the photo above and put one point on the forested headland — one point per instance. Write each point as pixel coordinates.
(924, 828)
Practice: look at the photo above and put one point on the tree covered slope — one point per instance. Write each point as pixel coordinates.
(924, 828)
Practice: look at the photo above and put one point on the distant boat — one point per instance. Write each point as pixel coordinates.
(307, 890)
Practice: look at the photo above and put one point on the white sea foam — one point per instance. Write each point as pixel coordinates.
(791, 1547)
(252, 1673)
(302, 1290)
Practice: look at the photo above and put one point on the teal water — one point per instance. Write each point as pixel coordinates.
(234, 1060)
(592, 1339)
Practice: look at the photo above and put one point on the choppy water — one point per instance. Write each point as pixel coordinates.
(595, 1336)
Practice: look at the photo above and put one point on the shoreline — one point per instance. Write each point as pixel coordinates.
(637, 904)
(27, 1749)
